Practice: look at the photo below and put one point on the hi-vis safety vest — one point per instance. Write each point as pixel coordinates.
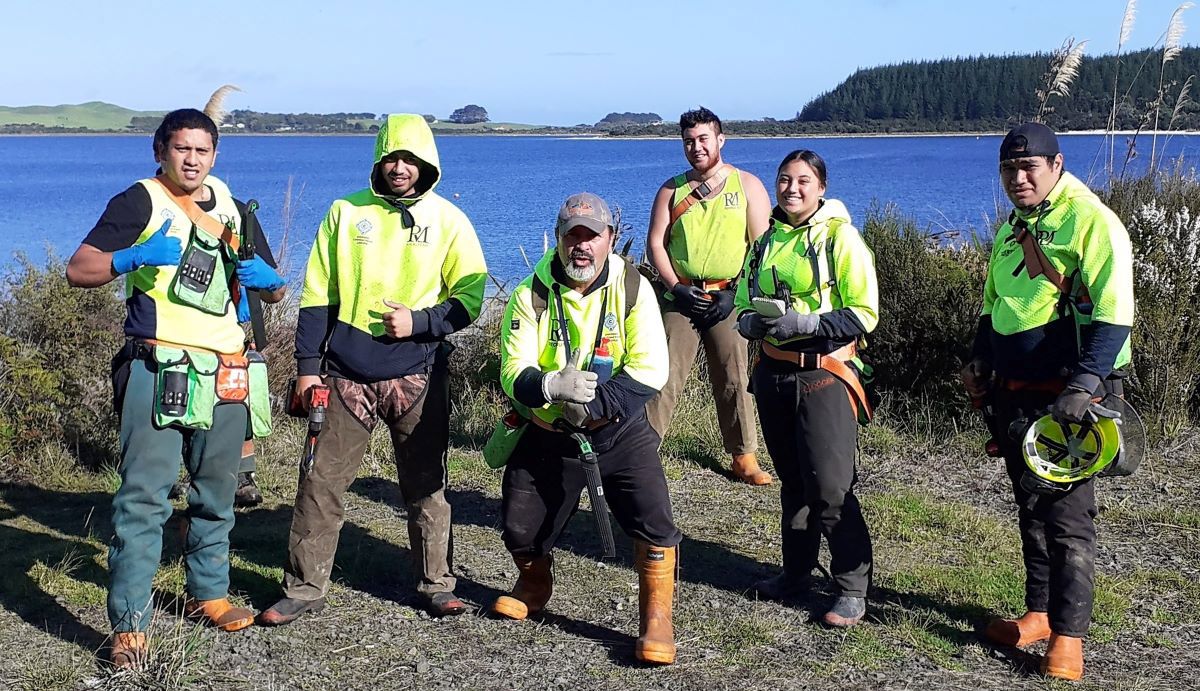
(709, 240)
(175, 321)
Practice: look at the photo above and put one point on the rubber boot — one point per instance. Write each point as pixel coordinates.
(1064, 658)
(656, 590)
(128, 649)
(219, 613)
(1018, 633)
(532, 591)
(745, 468)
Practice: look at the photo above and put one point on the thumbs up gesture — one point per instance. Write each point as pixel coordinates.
(159, 250)
(399, 322)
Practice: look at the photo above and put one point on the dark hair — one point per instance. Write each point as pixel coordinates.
(182, 119)
(699, 116)
(813, 159)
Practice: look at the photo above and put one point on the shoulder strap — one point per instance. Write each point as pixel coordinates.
(197, 216)
(1035, 261)
(633, 284)
(827, 247)
(540, 298)
(699, 190)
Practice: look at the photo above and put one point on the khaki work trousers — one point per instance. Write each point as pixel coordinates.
(416, 410)
(727, 356)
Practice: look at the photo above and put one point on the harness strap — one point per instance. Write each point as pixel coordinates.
(835, 364)
(1036, 263)
(205, 222)
(699, 190)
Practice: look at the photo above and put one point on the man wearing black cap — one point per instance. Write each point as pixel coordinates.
(1053, 336)
(582, 349)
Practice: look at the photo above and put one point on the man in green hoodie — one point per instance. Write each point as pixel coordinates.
(1054, 334)
(394, 270)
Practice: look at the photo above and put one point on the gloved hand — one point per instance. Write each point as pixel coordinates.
(158, 250)
(243, 306)
(690, 301)
(256, 274)
(793, 324)
(569, 385)
(720, 307)
(752, 326)
(976, 377)
(1071, 405)
(576, 414)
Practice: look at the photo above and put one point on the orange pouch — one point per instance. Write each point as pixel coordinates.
(233, 378)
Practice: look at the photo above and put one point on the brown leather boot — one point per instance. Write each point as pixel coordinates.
(532, 591)
(1018, 633)
(1064, 658)
(128, 649)
(219, 613)
(745, 468)
(656, 590)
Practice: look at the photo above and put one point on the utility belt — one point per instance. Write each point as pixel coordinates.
(189, 382)
(591, 426)
(706, 284)
(835, 363)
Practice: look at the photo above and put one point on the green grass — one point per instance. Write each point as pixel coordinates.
(94, 115)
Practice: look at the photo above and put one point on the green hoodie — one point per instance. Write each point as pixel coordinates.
(420, 251)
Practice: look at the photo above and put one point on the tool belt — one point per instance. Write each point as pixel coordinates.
(707, 285)
(835, 363)
(189, 382)
(591, 426)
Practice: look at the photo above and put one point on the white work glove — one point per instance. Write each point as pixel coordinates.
(569, 385)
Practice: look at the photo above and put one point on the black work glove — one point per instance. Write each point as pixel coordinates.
(720, 307)
(690, 301)
(1071, 405)
(576, 414)
(752, 326)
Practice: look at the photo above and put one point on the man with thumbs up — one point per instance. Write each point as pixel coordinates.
(394, 269)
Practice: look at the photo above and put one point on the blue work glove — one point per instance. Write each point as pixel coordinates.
(256, 274)
(1071, 405)
(690, 301)
(793, 324)
(243, 306)
(752, 326)
(158, 250)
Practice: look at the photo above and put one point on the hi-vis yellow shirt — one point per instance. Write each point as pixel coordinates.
(709, 240)
(173, 320)
(637, 344)
(418, 251)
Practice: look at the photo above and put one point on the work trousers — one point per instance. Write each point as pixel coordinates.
(544, 478)
(416, 410)
(150, 461)
(726, 352)
(811, 431)
(1058, 531)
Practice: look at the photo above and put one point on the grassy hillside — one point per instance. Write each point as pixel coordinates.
(94, 115)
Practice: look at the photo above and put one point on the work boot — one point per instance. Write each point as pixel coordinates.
(1064, 658)
(444, 605)
(534, 586)
(288, 610)
(656, 590)
(846, 612)
(128, 649)
(219, 613)
(1018, 633)
(783, 586)
(745, 468)
(247, 493)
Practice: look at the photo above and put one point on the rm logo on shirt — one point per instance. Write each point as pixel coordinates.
(732, 200)
(418, 235)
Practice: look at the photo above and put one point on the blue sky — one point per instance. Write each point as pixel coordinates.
(558, 62)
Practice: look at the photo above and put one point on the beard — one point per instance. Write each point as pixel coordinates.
(579, 273)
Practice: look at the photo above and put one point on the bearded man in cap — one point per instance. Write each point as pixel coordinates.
(582, 347)
(1054, 334)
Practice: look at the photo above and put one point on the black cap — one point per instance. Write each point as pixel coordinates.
(1030, 139)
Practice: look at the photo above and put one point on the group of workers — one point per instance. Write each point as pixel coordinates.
(593, 355)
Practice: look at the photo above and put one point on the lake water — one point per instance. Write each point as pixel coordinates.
(52, 189)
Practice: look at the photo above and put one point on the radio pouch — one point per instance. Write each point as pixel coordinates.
(201, 281)
(184, 388)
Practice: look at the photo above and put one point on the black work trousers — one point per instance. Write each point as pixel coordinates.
(544, 478)
(1058, 531)
(811, 433)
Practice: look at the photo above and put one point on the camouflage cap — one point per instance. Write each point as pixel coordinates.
(583, 209)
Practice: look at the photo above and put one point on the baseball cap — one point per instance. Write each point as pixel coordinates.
(1030, 139)
(583, 209)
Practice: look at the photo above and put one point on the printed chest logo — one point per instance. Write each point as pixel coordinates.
(733, 200)
(610, 322)
(364, 229)
(418, 235)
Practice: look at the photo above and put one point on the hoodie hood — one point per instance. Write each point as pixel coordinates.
(1067, 189)
(829, 210)
(611, 273)
(407, 132)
